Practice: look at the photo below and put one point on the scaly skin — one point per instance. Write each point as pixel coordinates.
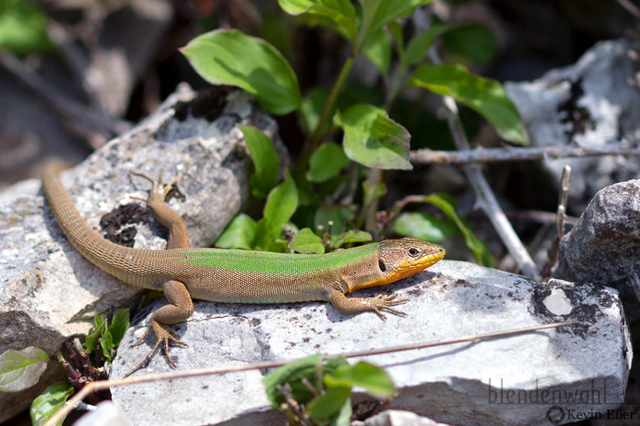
(237, 276)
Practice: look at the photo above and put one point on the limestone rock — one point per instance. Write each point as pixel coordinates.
(469, 383)
(589, 104)
(48, 291)
(604, 246)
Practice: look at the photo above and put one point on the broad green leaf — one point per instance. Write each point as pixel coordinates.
(292, 373)
(477, 248)
(231, 57)
(340, 13)
(374, 379)
(106, 342)
(377, 13)
(420, 44)
(239, 234)
(23, 28)
(50, 401)
(378, 50)
(265, 159)
(119, 325)
(306, 241)
(20, 370)
(327, 406)
(93, 336)
(326, 162)
(473, 41)
(98, 320)
(424, 226)
(336, 214)
(281, 204)
(485, 96)
(351, 236)
(372, 139)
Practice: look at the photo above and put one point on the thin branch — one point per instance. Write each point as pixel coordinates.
(552, 254)
(538, 216)
(630, 7)
(105, 384)
(486, 200)
(493, 155)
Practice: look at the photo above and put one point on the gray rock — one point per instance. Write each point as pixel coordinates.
(48, 291)
(466, 383)
(608, 107)
(604, 246)
(105, 414)
(397, 418)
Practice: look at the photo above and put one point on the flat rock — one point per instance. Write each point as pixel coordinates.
(476, 383)
(604, 246)
(588, 104)
(48, 291)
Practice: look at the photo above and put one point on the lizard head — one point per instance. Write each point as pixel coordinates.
(406, 256)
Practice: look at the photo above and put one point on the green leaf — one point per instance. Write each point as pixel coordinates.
(239, 234)
(23, 28)
(340, 13)
(374, 379)
(50, 401)
(281, 204)
(337, 214)
(325, 407)
(306, 241)
(473, 41)
(378, 50)
(420, 44)
(351, 236)
(292, 373)
(424, 226)
(326, 162)
(377, 13)
(119, 325)
(485, 96)
(374, 140)
(230, 57)
(20, 370)
(106, 342)
(93, 336)
(477, 248)
(265, 158)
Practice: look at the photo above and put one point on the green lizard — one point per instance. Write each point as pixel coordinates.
(236, 276)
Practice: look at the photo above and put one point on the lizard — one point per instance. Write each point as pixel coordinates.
(236, 276)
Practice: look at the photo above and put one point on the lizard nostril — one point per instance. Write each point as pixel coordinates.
(382, 266)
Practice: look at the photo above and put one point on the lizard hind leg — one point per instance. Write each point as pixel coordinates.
(179, 309)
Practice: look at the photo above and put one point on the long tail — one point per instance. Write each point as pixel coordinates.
(128, 264)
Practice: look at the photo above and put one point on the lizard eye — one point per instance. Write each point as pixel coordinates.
(413, 252)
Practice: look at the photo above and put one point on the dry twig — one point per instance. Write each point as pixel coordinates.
(105, 384)
(493, 155)
(552, 254)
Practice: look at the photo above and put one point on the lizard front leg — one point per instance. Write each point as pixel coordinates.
(356, 305)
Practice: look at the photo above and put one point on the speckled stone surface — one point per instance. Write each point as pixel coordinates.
(465, 383)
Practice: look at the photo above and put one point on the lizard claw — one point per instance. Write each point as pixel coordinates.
(159, 191)
(164, 335)
(384, 302)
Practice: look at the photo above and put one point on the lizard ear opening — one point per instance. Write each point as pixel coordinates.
(382, 266)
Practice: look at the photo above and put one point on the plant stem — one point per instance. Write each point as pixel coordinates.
(318, 134)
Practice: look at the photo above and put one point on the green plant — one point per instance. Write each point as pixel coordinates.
(310, 391)
(335, 189)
